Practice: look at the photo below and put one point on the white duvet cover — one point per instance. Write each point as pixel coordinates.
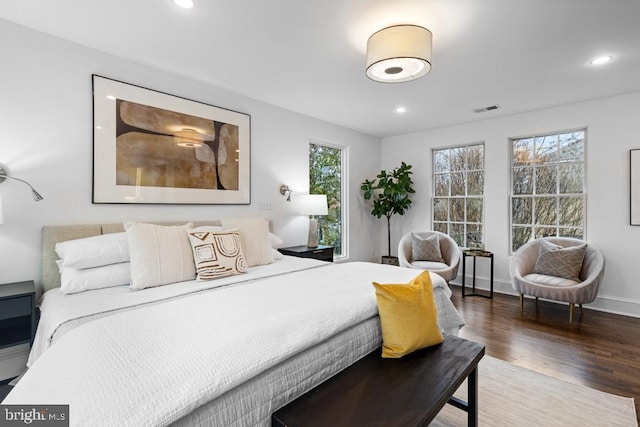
(153, 364)
(61, 312)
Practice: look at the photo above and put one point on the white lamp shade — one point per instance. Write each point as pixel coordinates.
(313, 204)
(399, 54)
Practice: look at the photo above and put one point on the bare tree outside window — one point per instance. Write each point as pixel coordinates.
(458, 200)
(547, 187)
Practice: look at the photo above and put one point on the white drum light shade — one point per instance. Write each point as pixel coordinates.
(399, 54)
(313, 204)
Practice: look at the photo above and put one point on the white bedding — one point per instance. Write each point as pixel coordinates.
(252, 403)
(61, 312)
(119, 370)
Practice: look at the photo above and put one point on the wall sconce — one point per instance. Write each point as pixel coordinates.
(188, 138)
(4, 175)
(284, 190)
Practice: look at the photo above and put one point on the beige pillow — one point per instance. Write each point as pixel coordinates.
(554, 260)
(426, 248)
(254, 235)
(159, 254)
(216, 253)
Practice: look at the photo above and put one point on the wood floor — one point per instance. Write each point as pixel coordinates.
(599, 350)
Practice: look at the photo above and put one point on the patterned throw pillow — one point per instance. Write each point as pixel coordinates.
(217, 253)
(426, 248)
(555, 260)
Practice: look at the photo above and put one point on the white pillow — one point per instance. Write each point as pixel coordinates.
(94, 251)
(74, 280)
(275, 241)
(159, 254)
(254, 234)
(217, 253)
(276, 254)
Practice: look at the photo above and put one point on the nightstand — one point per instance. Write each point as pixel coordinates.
(323, 253)
(17, 313)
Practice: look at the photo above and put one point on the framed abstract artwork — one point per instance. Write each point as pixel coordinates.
(152, 147)
(635, 186)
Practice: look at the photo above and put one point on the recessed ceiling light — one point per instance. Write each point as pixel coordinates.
(185, 4)
(601, 60)
(401, 110)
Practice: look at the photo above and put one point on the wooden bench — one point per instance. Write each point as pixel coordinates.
(409, 391)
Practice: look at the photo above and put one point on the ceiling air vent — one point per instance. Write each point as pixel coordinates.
(485, 109)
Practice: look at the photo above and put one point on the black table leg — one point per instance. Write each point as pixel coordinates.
(472, 399)
(464, 276)
(474, 276)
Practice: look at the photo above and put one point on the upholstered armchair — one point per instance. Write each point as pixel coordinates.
(446, 267)
(531, 271)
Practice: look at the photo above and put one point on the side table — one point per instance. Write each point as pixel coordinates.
(322, 252)
(17, 313)
(475, 253)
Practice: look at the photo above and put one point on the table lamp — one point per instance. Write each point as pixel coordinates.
(313, 205)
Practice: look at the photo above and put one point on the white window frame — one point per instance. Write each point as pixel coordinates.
(557, 194)
(466, 196)
(344, 203)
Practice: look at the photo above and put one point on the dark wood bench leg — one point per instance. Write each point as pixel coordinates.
(471, 405)
(472, 399)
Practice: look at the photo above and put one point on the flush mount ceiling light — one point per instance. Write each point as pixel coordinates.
(399, 54)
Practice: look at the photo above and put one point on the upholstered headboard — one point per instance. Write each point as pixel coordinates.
(52, 234)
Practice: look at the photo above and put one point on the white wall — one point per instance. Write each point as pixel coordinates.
(46, 139)
(613, 128)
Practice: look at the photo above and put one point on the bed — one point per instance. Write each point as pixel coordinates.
(229, 351)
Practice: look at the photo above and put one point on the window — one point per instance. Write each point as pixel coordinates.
(326, 175)
(547, 187)
(458, 202)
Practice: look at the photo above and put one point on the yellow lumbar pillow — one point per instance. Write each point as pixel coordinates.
(408, 316)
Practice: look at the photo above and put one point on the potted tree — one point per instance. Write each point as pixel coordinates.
(390, 193)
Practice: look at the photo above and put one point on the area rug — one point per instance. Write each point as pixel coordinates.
(513, 396)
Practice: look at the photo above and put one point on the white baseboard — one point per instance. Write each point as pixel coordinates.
(606, 303)
(13, 361)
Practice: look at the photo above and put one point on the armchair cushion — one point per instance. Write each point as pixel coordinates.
(542, 279)
(429, 265)
(555, 260)
(426, 248)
